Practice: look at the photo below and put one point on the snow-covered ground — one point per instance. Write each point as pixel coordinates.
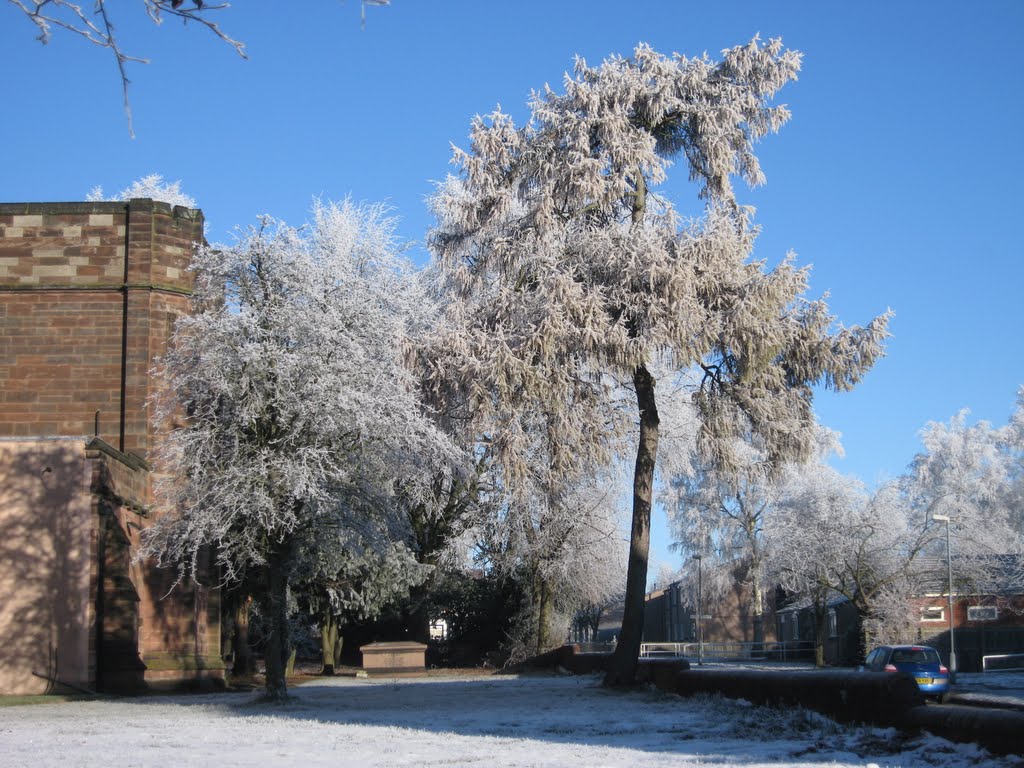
(1004, 689)
(486, 721)
(995, 681)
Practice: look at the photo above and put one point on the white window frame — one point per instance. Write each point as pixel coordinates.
(991, 611)
(937, 613)
(833, 624)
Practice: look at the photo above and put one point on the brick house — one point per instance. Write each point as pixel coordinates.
(985, 625)
(88, 297)
(840, 643)
(988, 619)
(667, 617)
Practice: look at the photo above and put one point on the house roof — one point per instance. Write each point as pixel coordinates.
(979, 575)
(802, 603)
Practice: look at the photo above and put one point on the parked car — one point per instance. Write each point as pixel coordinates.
(919, 661)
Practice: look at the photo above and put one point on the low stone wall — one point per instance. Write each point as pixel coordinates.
(661, 673)
(567, 657)
(570, 659)
(878, 698)
(997, 730)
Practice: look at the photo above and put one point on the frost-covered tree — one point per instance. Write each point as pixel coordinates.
(566, 548)
(832, 538)
(352, 572)
(288, 407)
(152, 186)
(1012, 440)
(569, 275)
(720, 516)
(723, 517)
(828, 536)
(970, 472)
(963, 470)
(440, 533)
(821, 541)
(444, 525)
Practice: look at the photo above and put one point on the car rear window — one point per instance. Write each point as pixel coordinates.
(915, 656)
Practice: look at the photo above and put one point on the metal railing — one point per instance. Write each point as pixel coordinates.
(595, 647)
(790, 650)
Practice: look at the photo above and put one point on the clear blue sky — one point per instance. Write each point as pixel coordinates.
(899, 177)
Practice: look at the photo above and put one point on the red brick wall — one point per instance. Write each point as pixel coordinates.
(47, 551)
(1010, 612)
(88, 293)
(88, 297)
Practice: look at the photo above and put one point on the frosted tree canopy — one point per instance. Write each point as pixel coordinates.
(572, 268)
(571, 277)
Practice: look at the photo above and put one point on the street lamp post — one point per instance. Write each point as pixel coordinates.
(949, 573)
(700, 611)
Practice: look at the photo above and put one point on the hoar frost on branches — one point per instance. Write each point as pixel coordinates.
(721, 517)
(828, 536)
(300, 419)
(1012, 441)
(573, 275)
(564, 545)
(730, 520)
(972, 474)
(351, 572)
(153, 187)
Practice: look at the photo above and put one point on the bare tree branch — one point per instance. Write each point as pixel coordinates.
(98, 28)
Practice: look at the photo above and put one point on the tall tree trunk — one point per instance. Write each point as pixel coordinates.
(757, 598)
(542, 600)
(820, 629)
(329, 643)
(417, 617)
(244, 663)
(277, 616)
(863, 633)
(622, 670)
(758, 625)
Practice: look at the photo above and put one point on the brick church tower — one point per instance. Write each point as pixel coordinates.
(89, 293)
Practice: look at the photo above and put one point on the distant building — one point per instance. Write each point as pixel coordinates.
(795, 623)
(89, 293)
(730, 618)
(988, 619)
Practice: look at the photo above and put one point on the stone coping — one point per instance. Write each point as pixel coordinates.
(60, 208)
